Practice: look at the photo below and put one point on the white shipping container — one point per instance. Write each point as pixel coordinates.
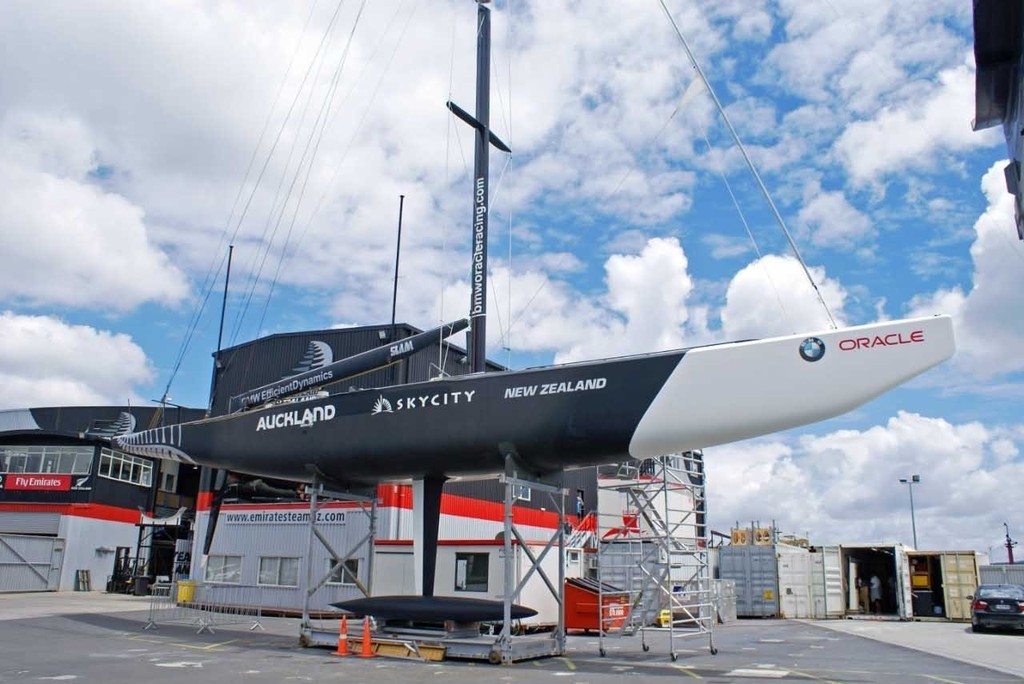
(827, 583)
(795, 581)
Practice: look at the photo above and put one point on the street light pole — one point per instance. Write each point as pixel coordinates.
(910, 482)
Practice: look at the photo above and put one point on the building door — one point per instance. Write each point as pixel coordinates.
(30, 563)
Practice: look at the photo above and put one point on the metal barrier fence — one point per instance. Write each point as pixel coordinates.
(204, 606)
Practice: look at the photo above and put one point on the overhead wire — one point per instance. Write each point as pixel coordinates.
(322, 119)
(750, 164)
(366, 110)
(219, 259)
(247, 299)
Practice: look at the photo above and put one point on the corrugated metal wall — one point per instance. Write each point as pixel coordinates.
(29, 522)
(243, 533)
(959, 580)
(29, 563)
(795, 582)
(755, 572)
(1002, 574)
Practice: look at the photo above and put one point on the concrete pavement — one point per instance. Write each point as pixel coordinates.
(998, 651)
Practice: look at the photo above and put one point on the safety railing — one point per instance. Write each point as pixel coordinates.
(205, 606)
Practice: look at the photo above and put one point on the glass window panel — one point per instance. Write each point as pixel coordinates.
(83, 461)
(33, 461)
(340, 576)
(224, 569)
(290, 572)
(269, 570)
(126, 468)
(471, 571)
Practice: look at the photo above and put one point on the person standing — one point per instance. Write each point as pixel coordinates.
(875, 589)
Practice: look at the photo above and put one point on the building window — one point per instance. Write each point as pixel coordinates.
(520, 492)
(168, 476)
(345, 574)
(279, 572)
(125, 468)
(58, 460)
(224, 569)
(471, 571)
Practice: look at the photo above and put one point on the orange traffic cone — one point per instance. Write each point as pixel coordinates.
(367, 646)
(342, 637)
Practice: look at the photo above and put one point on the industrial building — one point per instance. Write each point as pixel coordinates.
(71, 507)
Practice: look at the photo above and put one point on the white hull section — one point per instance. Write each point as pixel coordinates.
(736, 391)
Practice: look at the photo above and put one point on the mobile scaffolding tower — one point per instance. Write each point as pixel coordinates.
(652, 559)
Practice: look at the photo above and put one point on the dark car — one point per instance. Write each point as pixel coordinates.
(998, 605)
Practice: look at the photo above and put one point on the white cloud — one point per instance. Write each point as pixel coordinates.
(759, 291)
(647, 306)
(988, 317)
(831, 220)
(862, 52)
(47, 362)
(913, 134)
(65, 241)
(843, 487)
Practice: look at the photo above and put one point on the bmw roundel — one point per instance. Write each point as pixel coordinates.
(812, 349)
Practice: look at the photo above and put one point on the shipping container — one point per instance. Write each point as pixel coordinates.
(795, 581)
(754, 569)
(888, 562)
(940, 583)
(827, 597)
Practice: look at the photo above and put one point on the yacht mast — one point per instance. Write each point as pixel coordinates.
(476, 340)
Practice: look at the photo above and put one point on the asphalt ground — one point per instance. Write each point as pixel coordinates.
(101, 638)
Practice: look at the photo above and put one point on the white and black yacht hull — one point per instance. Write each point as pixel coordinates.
(564, 416)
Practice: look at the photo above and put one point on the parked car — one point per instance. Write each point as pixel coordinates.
(997, 605)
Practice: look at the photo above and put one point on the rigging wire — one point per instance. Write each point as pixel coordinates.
(270, 154)
(322, 120)
(212, 273)
(442, 351)
(746, 227)
(746, 157)
(287, 257)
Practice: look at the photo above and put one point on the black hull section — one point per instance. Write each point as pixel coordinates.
(548, 418)
(433, 609)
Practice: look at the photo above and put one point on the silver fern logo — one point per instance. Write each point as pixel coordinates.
(108, 429)
(318, 354)
(382, 405)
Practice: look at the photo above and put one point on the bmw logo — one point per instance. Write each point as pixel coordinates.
(812, 349)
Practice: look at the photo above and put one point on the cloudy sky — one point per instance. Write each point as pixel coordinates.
(140, 139)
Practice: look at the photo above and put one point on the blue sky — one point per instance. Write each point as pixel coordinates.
(127, 133)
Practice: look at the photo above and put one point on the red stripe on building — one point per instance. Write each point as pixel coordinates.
(299, 506)
(204, 501)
